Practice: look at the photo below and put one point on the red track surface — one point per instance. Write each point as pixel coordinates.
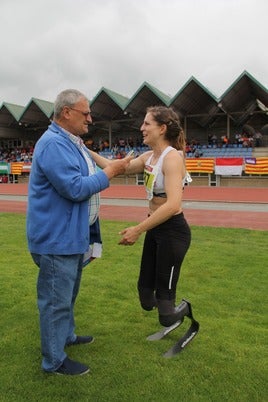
(202, 217)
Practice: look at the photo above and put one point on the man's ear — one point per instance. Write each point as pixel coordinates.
(66, 112)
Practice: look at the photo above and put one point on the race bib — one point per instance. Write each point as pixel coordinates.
(149, 177)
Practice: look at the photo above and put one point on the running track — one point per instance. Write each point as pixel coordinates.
(199, 217)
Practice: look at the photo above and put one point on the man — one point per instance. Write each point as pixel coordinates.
(63, 225)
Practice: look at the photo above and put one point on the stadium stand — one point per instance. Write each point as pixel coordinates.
(238, 120)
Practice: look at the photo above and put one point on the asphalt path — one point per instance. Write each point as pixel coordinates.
(209, 205)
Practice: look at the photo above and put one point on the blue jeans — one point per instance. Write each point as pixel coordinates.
(57, 288)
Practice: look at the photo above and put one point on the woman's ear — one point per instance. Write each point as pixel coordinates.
(163, 129)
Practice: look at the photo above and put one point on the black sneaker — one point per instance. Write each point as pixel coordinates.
(71, 367)
(80, 340)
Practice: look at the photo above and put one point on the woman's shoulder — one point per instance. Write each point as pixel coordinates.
(174, 158)
(146, 155)
(174, 153)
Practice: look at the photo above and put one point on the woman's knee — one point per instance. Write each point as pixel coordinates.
(147, 298)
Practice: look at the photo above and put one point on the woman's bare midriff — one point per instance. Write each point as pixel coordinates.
(156, 202)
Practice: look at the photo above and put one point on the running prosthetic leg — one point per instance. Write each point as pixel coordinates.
(187, 337)
(184, 307)
(169, 314)
(164, 331)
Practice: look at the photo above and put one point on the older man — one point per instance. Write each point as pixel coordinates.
(63, 225)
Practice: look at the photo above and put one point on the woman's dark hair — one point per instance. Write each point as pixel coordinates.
(167, 115)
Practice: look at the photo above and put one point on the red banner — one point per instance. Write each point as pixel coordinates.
(229, 166)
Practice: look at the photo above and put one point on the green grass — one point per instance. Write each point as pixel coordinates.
(225, 277)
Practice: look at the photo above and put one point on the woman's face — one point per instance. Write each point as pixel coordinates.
(151, 130)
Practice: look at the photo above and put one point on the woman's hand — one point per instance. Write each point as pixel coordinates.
(129, 236)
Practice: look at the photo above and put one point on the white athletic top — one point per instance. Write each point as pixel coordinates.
(154, 178)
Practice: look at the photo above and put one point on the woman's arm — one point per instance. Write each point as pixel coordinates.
(100, 160)
(136, 165)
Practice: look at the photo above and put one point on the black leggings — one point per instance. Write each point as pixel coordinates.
(164, 249)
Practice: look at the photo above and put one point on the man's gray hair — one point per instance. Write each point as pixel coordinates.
(69, 97)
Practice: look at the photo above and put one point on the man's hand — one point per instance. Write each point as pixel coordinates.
(117, 167)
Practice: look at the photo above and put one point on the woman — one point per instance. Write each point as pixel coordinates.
(168, 235)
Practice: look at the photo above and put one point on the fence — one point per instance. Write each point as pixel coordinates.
(207, 171)
(10, 171)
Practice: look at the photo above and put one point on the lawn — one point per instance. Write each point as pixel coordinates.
(224, 276)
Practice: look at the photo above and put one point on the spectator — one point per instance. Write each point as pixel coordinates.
(214, 139)
(258, 139)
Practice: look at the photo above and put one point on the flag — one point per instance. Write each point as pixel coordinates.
(16, 167)
(200, 165)
(26, 168)
(256, 165)
(229, 166)
(4, 168)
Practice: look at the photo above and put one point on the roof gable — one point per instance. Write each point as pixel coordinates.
(145, 96)
(108, 105)
(197, 101)
(14, 110)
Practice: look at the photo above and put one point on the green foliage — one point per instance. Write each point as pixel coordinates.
(224, 275)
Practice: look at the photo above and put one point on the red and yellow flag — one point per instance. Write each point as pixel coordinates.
(256, 165)
(200, 165)
(16, 167)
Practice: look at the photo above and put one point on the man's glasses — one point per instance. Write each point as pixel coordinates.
(86, 114)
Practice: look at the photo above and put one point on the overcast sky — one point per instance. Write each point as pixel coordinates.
(50, 45)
